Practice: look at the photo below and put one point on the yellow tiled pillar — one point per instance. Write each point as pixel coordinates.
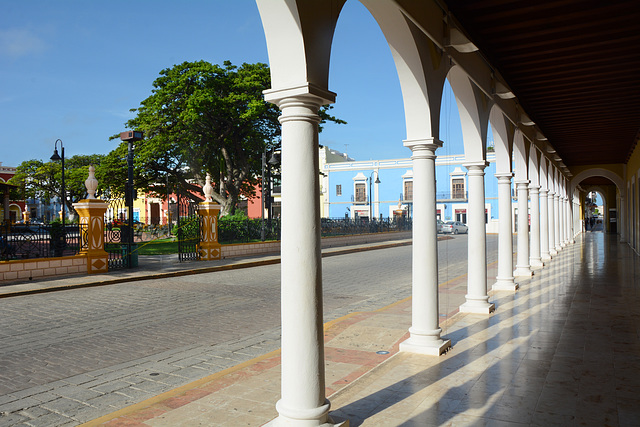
(209, 211)
(91, 212)
(209, 246)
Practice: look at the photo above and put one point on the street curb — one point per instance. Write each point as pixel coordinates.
(241, 265)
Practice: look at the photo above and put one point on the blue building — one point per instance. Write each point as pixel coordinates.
(384, 189)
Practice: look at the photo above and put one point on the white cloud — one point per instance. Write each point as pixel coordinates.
(19, 42)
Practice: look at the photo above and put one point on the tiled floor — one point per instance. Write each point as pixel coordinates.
(564, 350)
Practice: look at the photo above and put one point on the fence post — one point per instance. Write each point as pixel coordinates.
(209, 211)
(91, 212)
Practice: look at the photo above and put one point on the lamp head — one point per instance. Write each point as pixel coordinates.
(55, 156)
(275, 159)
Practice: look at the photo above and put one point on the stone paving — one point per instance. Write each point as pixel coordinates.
(163, 337)
(561, 351)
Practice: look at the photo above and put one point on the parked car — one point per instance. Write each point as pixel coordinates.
(454, 227)
(439, 225)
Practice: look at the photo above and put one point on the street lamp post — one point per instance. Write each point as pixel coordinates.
(370, 199)
(56, 158)
(262, 200)
(130, 137)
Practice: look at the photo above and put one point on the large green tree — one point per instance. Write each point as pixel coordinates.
(43, 180)
(204, 118)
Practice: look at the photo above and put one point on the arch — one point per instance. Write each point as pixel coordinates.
(474, 108)
(299, 37)
(544, 176)
(534, 165)
(605, 203)
(521, 156)
(503, 132)
(420, 67)
(612, 176)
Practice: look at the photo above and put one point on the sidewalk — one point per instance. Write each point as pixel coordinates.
(545, 357)
(355, 346)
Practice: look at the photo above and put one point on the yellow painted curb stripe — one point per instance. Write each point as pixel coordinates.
(176, 391)
(197, 383)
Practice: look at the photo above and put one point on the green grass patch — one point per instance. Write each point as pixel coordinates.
(158, 247)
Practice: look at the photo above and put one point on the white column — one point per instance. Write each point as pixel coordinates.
(303, 401)
(534, 257)
(556, 222)
(567, 219)
(544, 225)
(622, 209)
(552, 224)
(522, 259)
(563, 224)
(425, 320)
(572, 216)
(477, 300)
(505, 279)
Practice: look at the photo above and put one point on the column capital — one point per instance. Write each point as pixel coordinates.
(476, 167)
(534, 188)
(307, 91)
(544, 191)
(508, 175)
(424, 148)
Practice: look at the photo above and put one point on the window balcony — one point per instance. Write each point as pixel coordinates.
(452, 196)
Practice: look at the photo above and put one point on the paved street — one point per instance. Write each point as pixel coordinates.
(71, 356)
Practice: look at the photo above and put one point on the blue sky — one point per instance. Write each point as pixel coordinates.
(72, 69)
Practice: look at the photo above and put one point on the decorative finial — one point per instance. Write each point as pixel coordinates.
(91, 183)
(208, 189)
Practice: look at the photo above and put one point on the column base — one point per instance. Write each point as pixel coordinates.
(558, 248)
(553, 252)
(435, 348)
(545, 257)
(477, 308)
(506, 284)
(523, 271)
(536, 263)
(288, 422)
(315, 417)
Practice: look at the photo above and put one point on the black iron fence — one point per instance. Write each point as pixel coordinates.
(29, 241)
(243, 230)
(188, 229)
(346, 226)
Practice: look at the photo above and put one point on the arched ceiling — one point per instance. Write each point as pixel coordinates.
(596, 180)
(574, 66)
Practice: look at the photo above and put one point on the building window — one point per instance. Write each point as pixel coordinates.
(457, 188)
(339, 190)
(408, 190)
(461, 215)
(361, 192)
